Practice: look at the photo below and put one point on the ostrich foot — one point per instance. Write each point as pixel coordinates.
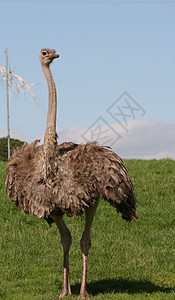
(84, 295)
(64, 294)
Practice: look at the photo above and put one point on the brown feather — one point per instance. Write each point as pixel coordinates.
(81, 174)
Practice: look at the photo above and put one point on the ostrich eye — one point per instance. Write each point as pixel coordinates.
(44, 52)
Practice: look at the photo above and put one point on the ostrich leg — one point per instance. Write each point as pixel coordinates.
(85, 244)
(66, 241)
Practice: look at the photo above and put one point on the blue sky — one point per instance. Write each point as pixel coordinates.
(106, 48)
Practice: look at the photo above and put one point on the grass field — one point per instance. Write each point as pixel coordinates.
(126, 261)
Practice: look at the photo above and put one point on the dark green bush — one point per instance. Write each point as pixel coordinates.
(4, 147)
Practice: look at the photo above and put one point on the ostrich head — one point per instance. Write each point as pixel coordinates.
(47, 56)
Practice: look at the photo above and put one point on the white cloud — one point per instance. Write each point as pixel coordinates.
(15, 133)
(138, 139)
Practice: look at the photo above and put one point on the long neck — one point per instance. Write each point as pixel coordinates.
(52, 104)
(50, 138)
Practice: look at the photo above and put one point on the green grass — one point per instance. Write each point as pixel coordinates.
(126, 261)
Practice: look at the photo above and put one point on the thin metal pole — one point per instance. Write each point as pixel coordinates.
(8, 116)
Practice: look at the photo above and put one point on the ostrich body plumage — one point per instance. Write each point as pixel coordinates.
(81, 175)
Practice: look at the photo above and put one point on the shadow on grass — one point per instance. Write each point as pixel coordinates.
(121, 286)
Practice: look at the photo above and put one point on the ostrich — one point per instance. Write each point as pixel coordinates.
(51, 180)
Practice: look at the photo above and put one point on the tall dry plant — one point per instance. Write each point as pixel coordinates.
(17, 83)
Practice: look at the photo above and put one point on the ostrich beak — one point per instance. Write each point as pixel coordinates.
(55, 55)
